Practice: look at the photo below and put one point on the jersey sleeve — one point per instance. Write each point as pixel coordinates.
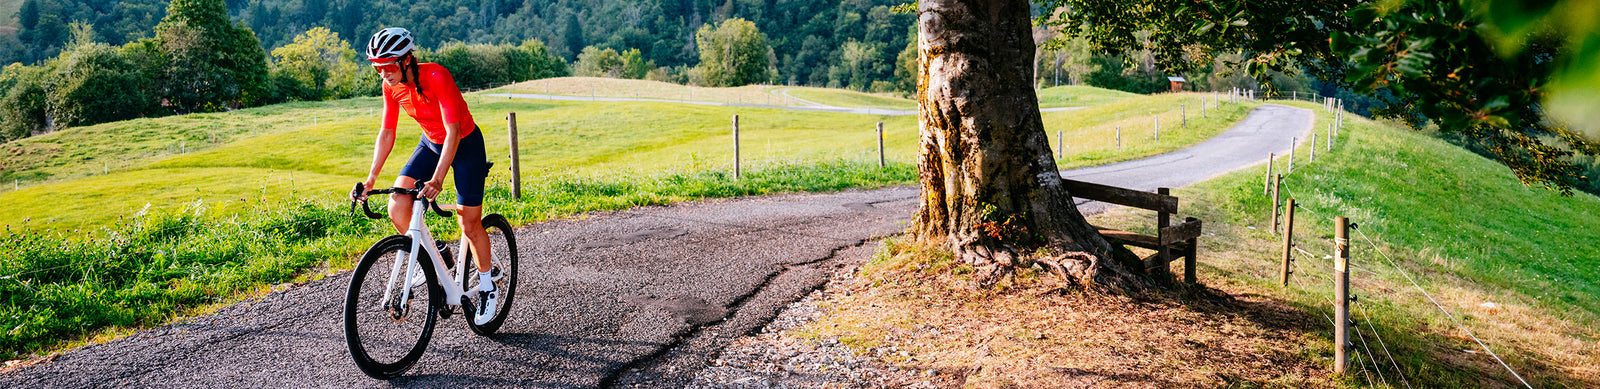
(439, 83)
(391, 110)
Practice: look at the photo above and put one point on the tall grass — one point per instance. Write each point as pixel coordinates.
(59, 288)
(154, 265)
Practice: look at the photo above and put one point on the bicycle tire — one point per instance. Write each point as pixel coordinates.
(378, 354)
(503, 246)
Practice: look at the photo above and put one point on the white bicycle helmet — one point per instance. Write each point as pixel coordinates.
(391, 43)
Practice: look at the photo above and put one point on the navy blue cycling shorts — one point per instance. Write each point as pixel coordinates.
(471, 166)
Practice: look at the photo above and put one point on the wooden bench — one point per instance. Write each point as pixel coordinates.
(1170, 243)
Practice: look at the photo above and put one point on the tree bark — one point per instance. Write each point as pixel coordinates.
(990, 188)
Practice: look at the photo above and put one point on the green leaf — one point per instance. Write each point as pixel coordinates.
(1498, 103)
(1516, 17)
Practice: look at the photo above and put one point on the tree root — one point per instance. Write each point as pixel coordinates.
(993, 262)
(1085, 270)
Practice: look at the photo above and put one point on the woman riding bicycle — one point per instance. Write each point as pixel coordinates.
(450, 139)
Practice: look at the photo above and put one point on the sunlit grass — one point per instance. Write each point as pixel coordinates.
(851, 99)
(624, 88)
(1080, 96)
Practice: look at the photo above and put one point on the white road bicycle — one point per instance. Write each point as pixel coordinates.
(395, 298)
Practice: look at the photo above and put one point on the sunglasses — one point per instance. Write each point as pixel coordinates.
(387, 67)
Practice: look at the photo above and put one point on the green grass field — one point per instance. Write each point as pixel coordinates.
(272, 153)
(1080, 96)
(1061, 96)
(850, 99)
(615, 87)
(1461, 225)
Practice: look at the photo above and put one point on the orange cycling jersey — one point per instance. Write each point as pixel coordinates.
(440, 102)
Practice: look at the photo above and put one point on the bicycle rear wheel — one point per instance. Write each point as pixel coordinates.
(503, 261)
(387, 337)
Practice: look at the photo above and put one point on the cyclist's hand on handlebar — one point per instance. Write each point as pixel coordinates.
(431, 189)
(359, 192)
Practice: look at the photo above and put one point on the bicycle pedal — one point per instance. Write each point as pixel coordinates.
(446, 312)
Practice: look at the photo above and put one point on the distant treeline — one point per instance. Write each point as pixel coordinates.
(197, 60)
(836, 43)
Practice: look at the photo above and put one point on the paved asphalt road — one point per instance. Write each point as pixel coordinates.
(642, 297)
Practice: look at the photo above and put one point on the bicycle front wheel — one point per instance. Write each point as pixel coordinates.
(503, 266)
(389, 314)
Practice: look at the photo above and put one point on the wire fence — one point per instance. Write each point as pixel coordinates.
(1375, 370)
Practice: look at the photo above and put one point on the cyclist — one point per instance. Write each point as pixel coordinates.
(450, 139)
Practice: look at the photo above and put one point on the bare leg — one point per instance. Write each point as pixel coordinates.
(471, 220)
(400, 205)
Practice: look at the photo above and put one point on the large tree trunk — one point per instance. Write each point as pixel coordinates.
(990, 188)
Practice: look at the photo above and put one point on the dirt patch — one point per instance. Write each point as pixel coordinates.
(1030, 333)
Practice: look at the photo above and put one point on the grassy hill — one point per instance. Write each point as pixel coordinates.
(315, 148)
(1080, 96)
(124, 225)
(1462, 226)
(1061, 96)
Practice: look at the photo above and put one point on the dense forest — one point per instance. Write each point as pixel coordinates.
(848, 44)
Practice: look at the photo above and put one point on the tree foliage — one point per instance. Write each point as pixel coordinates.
(22, 106)
(1428, 61)
(317, 66)
(199, 61)
(596, 62)
(215, 64)
(734, 53)
(806, 36)
(94, 83)
(481, 66)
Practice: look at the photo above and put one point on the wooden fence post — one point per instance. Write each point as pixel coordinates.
(1313, 148)
(1189, 255)
(1276, 182)
(1119, 137)
(1292, 141)
(516, 156)
(1061, 145)
(1164, 253)
(1266, 183)
(1341, 291)
(1184, 109)
(736, 172)
(1288, 239)
(881, 162)
(1158, 128)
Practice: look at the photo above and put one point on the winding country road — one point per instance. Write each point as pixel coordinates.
(638, 297)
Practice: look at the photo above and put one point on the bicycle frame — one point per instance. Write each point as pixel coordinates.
(423, 240)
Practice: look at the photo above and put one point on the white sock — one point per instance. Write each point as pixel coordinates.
(484, 283)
